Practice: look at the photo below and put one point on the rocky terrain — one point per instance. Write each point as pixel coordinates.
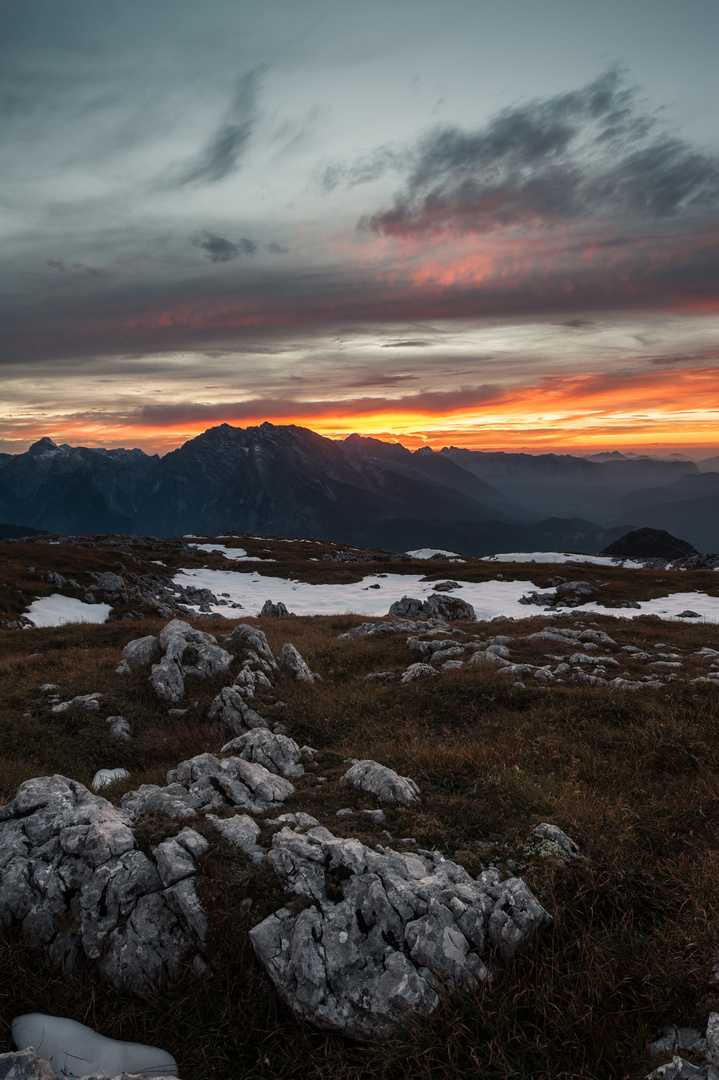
(420, 844)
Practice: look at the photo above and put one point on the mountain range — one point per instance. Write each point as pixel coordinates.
(290, 481)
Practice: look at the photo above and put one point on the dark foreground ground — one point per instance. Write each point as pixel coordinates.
(633, 777)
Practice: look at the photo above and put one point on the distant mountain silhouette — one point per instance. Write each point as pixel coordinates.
(649, 544)
(289, 481)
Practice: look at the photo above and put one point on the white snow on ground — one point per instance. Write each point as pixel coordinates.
(488, 598)
(559, 557)
(427, 553)
(56, 610)
(235, 554)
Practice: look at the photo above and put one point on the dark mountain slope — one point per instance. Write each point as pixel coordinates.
(288, 481)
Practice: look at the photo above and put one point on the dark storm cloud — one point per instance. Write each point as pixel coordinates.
(221, 156)
(219, 250)
(588, 153)
(576, 324)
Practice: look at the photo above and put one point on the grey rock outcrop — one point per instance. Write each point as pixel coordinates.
(291, 661)
(206, 783)
(241, 831)
(278, 753)
(437, 605)
(246, 638)
(385, 783)
(274, 611)
(119, 727)
(558, 837)
(71, 875)
(231, 710)
(385, 932)
(186, 652)
(139, 653)
(391, 626)
(418, 671)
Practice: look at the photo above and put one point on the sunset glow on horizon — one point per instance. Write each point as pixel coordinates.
(442, 234)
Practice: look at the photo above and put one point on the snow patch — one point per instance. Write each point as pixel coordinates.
(559, 557)
(57, 610)
(235, 554)
(427, 553)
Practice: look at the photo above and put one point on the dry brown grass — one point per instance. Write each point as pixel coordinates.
(633, 777)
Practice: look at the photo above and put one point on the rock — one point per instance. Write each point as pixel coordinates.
(385, 783)
(231, 710)
(109, 582)
(141, 651)
(205, 783)
(167, 682)
(679, 1038)
(407, 607)
(276, 752)
(291, 661)
(418, 671)
(76, 1050)
(689, 614)
(245, 637)
(119, 727)
(25, 1065)
(446, 586)
(275, 611)
(486, 657)
(194, 652)
(555, 835)
(680, 1069)
(448, 607)
(712, 1038)
(445, 607)
(71, 875)
(386, 932)
(241, 831)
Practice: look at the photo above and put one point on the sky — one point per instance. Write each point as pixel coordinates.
(491, 223)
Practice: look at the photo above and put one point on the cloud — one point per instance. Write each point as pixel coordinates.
(576, 324)
(220, 250)
(591, 153)
(221, 155)
(73, 268)
(417, 344)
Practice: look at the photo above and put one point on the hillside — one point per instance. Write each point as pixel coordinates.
(597, 719)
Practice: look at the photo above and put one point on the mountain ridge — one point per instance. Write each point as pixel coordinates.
(291, 481)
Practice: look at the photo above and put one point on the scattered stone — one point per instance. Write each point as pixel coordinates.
(139, 653)
(386, 930)
(231, 710)
(377, 816)
(555, 835)
(241, 831)
(385, 783)
(206, 783)
(446, 607)
(276, 752)
(291, 661)
(246, 638)
(418, 671)
(119, 727)
(275, 611)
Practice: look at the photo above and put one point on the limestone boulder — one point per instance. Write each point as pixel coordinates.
(72, 876)
(385, 783)
(385, 932)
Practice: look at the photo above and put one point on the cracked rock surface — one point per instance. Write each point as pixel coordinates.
(206, 782)
(385, 783)
(385, 930)
(71, 875)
